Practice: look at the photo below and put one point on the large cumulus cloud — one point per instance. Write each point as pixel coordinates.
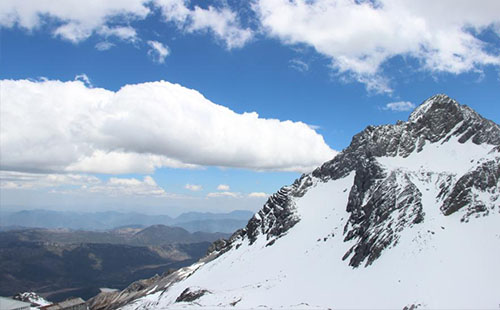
(56, 126)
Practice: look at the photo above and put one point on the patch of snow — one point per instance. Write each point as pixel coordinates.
(451, 157)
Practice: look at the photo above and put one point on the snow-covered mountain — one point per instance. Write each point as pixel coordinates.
(408, 216)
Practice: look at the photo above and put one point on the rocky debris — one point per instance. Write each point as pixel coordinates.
(191, 294)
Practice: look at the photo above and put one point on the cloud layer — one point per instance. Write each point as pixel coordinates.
(69, 183)
(399, 106)
(193, 187)
(221, 22)
(76, 20)
(360, 36)
(55, 126)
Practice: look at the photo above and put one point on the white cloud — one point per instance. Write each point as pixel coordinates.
(223, 194)
(117, 162)
(80, 183)
(26, 180)
(193, 187)
(223, 187)
(229, 194)
(125, 33)
(399, 106)
(128, 187)
(73, 32)
(158, 51)
(75, 20)
(65, 126)
(360, 36)
(258, 195)
(104, 45)
(222, 22)
(298, 65)
(84, 78)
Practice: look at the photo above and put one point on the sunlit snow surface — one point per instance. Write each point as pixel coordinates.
(450, 157)
(442, 263)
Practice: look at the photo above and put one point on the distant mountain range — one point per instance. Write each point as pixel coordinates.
(101, 221)
(155, 235)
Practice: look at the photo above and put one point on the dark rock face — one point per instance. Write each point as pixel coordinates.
(383, 203)
(217, 246)
(190, 294)
(441, 116)
(376, 223)
(275, 218)
(485, 178)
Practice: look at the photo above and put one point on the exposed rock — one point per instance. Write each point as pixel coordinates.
(485, 178)
(191, 294)
(393, 204)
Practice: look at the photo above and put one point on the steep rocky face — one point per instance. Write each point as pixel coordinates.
(394, 204)
(484, 178)
(277, 216)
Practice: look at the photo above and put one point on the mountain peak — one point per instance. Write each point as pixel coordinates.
(440, 102)
(441, 117)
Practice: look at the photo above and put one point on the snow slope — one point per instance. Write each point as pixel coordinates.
(408, 215)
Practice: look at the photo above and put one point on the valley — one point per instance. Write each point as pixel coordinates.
(60, 263)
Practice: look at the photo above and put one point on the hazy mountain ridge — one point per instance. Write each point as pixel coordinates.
(413, 198)
(191, 221)
(150, 236)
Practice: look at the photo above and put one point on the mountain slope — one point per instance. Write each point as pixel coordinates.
(407, 215)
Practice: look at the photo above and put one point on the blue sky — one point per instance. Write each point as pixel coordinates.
(315, 72)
